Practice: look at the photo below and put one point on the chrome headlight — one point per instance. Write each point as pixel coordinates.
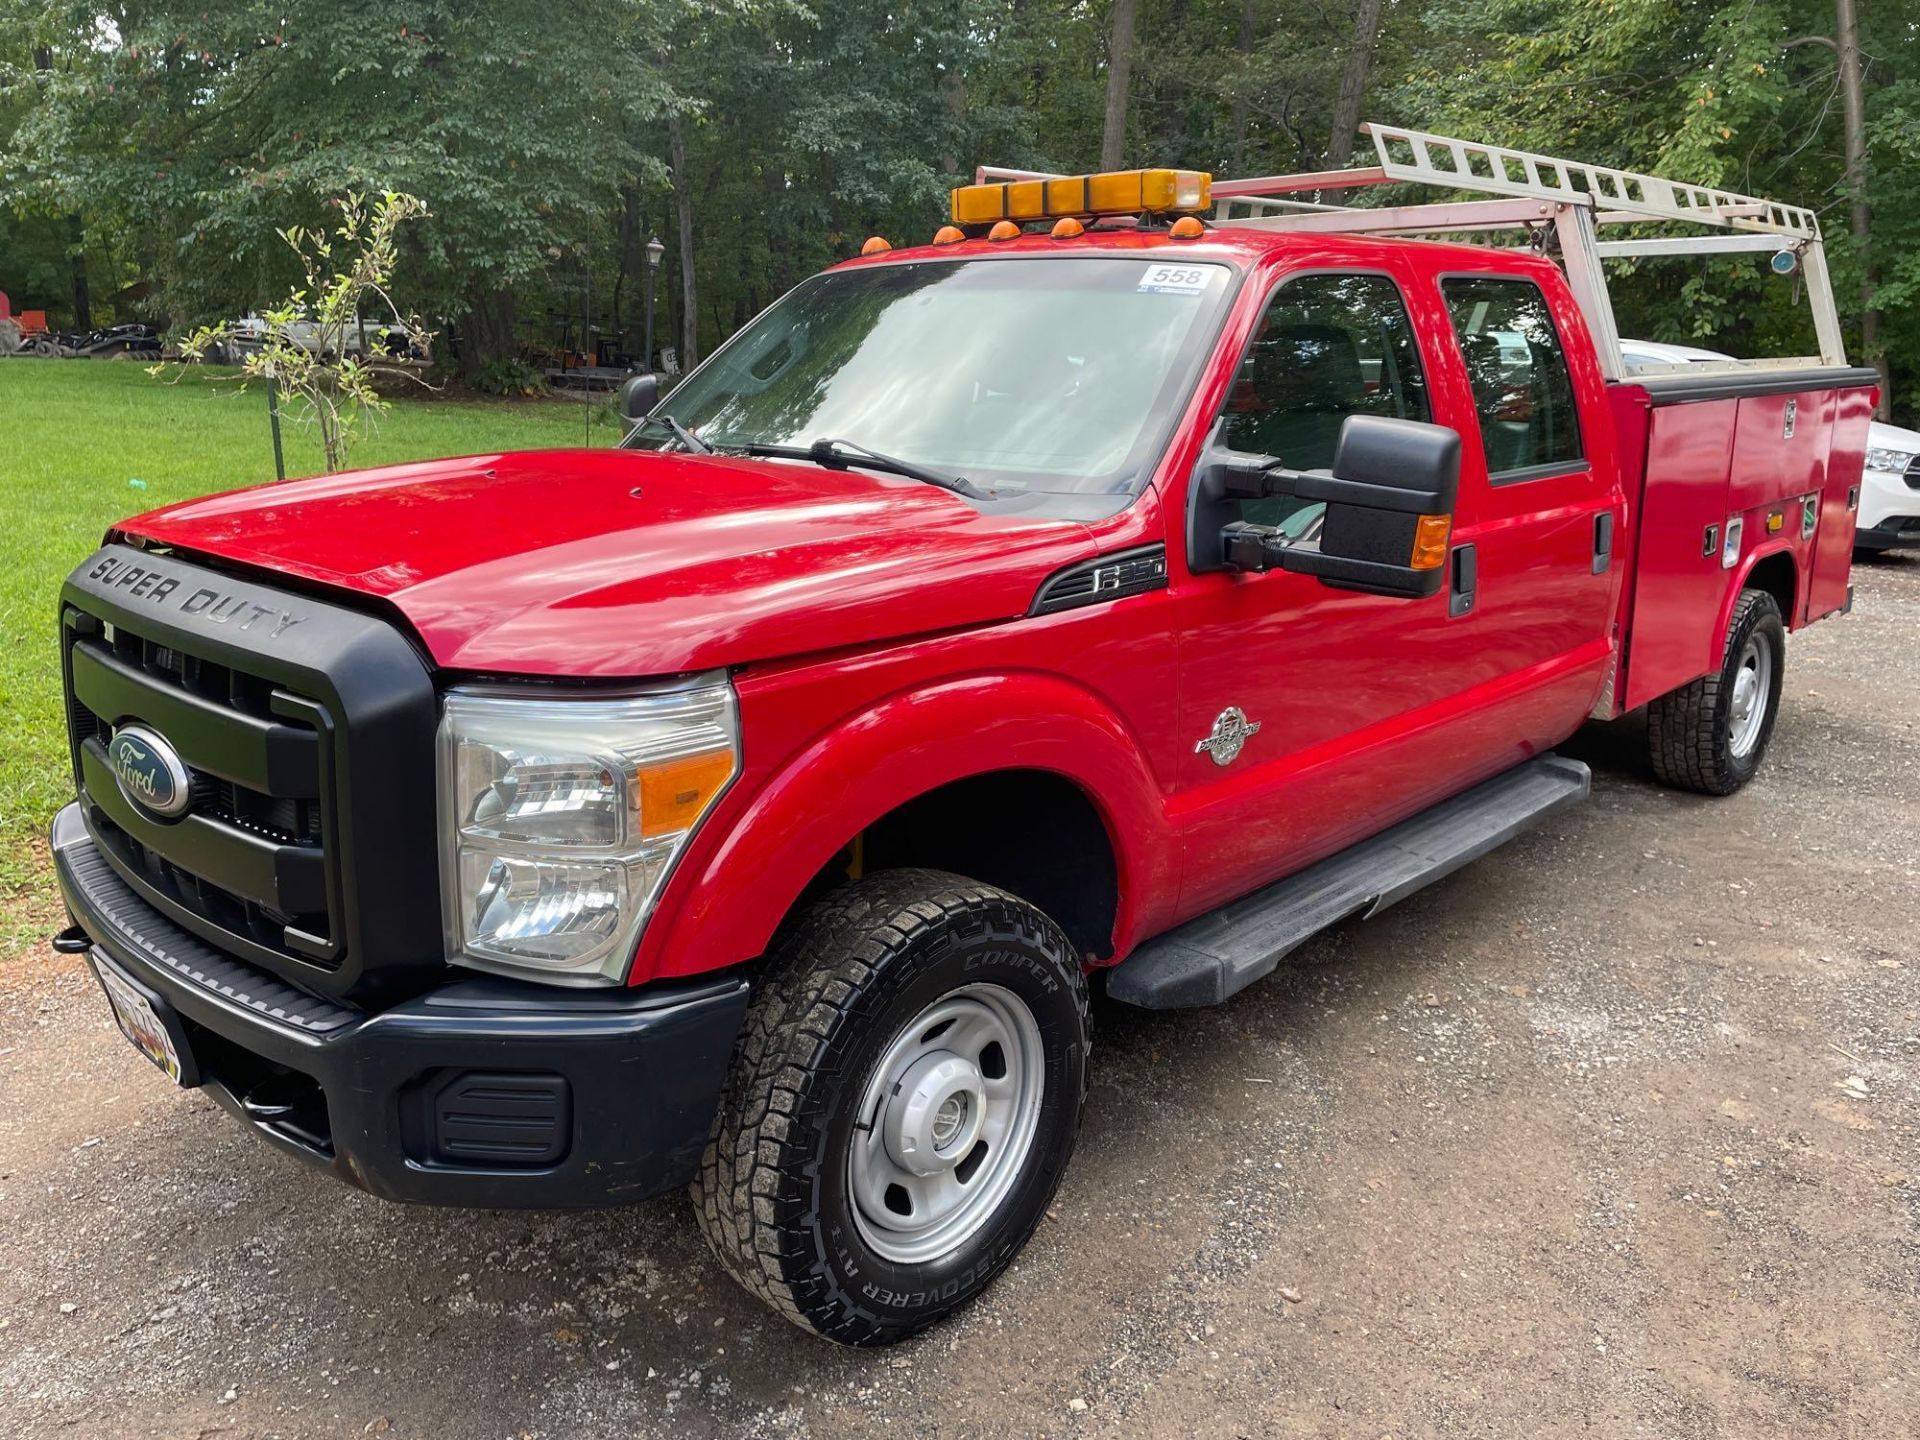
(1881, 458)
(560, 818)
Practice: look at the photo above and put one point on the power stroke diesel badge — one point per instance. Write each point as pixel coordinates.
(1229, 736)
(149, 771)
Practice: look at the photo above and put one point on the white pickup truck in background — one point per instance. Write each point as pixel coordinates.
(1890, 487)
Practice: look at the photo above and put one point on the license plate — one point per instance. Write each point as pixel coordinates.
(140, 1021)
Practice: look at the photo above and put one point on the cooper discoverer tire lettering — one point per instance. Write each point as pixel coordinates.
(904, 1098)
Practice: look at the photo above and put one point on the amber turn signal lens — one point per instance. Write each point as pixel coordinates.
(1187, 227)
(1068, 228)
(876, 245)
(1003, 230)
(1430, 542)
(949, 235)
(673, 795)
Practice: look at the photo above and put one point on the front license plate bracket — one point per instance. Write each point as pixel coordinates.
(152, 1025)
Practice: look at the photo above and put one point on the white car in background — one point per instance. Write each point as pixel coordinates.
(387, 340)
(1890, 489)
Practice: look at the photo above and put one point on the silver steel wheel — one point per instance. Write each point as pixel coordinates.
(946, 1123)
(1752, 682)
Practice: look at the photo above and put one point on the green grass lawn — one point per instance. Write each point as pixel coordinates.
(86, 443)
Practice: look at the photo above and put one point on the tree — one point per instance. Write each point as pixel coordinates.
(1722, 94)
(1113, 135)
(763, 139)
(206, 123)
(311, 347)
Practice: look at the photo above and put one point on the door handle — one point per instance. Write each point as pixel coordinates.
(1464, 582)
(1602, 541)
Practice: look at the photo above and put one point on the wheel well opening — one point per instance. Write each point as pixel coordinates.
(1029, 832)
(1776, 576)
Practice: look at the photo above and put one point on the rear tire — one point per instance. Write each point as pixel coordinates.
(1711, 736)
(909, 1014)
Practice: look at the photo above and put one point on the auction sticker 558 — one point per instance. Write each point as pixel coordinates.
(1174, 279)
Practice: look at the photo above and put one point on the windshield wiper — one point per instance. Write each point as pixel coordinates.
(679, 432)
(839, 454)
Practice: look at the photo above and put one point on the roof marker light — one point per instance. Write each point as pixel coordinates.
(876, 245)
(1068, 228)
(1187, 227)
(949, 235)
(1003, 230)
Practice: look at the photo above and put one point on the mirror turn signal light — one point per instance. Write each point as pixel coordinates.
(1430, 542)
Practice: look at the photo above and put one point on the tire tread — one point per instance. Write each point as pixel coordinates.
(1688, 741)
(819, 973)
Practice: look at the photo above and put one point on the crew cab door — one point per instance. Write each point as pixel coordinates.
(1546, 536)
(1370, 707)
(1327, 675)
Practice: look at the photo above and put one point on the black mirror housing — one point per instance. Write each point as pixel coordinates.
(638, 395)
(1389, 496)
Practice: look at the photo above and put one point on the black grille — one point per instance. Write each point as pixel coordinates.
(308, 848)
(1913, 472)
(248, 861)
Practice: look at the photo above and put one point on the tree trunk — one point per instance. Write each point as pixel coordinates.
(77, 259)
(625, 247)
(1113, 138)
(488, 334)
(1249, 17)
(1860, 216)
(953, 89)
(683, 205)
(1353, 90)
(76, 233)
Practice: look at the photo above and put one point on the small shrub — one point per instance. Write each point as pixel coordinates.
(510, 377)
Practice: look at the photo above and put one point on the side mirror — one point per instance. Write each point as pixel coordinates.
(637, 398)
(1389, 498)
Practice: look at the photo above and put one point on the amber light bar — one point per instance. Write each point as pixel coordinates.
(1115, 192)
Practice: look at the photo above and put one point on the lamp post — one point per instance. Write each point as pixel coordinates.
(655, 249)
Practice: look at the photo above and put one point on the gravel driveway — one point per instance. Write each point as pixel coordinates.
(1612, 1133)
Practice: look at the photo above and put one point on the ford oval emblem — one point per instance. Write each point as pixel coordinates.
(149, 771)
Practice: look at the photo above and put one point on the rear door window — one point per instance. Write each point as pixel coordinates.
(1328, 346)
(1522, 390)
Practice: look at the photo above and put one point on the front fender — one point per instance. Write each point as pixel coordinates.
(773, 833)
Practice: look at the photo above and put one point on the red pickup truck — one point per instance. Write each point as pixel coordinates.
(749, 808)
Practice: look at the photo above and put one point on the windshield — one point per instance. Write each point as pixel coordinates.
(1055, 375)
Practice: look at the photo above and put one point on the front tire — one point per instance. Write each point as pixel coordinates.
(1711, 736)
(902, 1105)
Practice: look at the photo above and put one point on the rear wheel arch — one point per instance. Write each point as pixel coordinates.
(1776, 573)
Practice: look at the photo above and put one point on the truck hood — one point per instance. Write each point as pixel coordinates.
(632, 563)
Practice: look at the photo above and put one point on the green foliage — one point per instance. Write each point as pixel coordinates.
(303, 351)
(509, 377)
(1730, 94)
(185, 131)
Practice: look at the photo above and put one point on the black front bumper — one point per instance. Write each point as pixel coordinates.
(1896, 532)
(483, 1092)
